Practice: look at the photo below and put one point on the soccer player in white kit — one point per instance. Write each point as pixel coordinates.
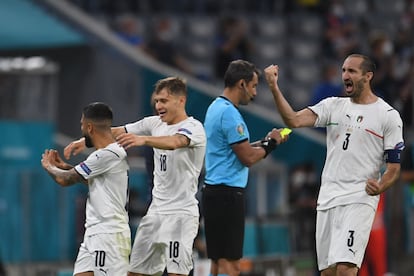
(106, 246)
(166, 234)
(363, 133)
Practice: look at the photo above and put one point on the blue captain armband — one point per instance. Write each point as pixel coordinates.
(394, 155)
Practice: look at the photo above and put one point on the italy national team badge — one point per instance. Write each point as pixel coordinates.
(240, 130)
(360, 118)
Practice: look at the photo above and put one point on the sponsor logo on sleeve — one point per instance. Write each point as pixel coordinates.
(85, 168)
(185, 131)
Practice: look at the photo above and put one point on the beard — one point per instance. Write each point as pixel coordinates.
(357, 90)
(88, 141)
(359, 87)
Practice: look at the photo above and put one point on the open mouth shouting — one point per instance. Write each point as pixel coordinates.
(349, 86)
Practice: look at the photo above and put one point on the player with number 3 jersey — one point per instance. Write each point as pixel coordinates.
(364, 138)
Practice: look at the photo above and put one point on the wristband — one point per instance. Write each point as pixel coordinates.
(268, 144)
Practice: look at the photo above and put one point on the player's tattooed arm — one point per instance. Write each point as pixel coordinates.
(65, 177)
(62, 173)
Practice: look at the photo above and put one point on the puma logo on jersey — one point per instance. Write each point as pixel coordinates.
(352, 251)
(176, 262)
(104, 271)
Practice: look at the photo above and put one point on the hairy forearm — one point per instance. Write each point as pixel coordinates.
(286, 112)
(389, 177)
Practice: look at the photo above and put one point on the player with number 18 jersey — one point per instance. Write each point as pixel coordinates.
(172, 218)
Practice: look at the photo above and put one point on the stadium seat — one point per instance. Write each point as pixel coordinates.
(200, 27)
(270, 27)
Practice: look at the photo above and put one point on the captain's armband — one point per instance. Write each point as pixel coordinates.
(394, 155)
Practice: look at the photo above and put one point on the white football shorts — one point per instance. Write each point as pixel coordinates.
(104, 254)
(164, 241)
(342, 234)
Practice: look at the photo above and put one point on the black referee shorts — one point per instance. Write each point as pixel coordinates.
(224, 214)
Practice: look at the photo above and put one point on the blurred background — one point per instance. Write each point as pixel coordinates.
(58, 56)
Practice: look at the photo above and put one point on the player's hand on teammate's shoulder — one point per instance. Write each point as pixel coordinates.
(74, 148)
(127, 140)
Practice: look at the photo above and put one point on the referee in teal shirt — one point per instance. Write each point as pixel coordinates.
(229, 154)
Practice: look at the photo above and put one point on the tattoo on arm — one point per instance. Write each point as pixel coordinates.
(65, 177)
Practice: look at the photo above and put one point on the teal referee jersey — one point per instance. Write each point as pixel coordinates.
(224, 126)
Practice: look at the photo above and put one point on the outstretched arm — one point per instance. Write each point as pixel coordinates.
(64, 177)
(172, 142)
(78, 146)
(292, 118)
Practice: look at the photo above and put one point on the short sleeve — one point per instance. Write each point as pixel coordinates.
(143, 126)
(321, 109)
(234, 127)
(97, 163)
(194, 131)
(393, 131)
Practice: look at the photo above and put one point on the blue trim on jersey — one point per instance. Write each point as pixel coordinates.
(224, 126)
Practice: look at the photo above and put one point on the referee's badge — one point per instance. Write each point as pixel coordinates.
(240, 130)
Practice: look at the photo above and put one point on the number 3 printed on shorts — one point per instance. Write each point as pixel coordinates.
(351, 238)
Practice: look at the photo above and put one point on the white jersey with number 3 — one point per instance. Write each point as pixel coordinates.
(357, 137)
(176, 171)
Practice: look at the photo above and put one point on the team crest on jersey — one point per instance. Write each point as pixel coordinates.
(360, 118)
(240, 130)
(85, 168)
(185, 130)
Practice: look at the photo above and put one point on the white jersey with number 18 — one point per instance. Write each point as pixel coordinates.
(176, 172)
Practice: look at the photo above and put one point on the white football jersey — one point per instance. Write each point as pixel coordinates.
(357, 137)
(106, 170)
(176, 172)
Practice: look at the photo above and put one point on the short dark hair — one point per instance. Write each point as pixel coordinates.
(367, 64)
(175, 86)
(238, 70)
(98, 112)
